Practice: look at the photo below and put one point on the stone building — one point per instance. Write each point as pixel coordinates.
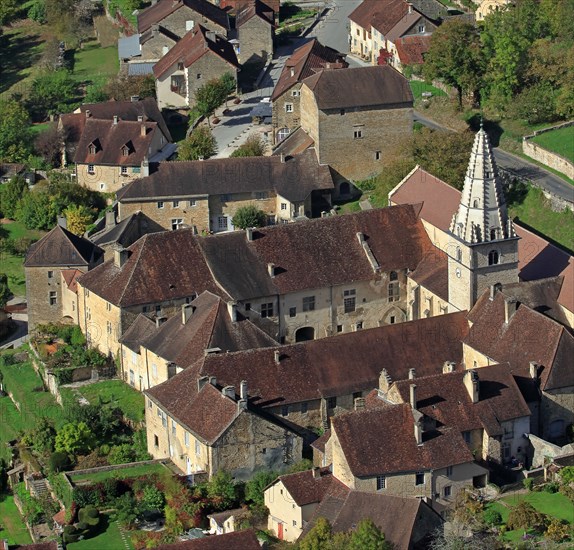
(200, 56)
(207, 194)
(356, 133)
(51, 267)
(255, 32)
(488, 6)
(304, 62)
(211, 429)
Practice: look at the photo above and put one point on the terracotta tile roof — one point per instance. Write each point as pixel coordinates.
(138, 332)
(432, 273)
(383, 15)
(403, 25)
(221, 517)
(411, 49)
(537, 258)
(320, 442)
(317, 253)
(294, 178)
(110, 138)
(70, 278)
(11, 169)
(295, 143)
(60, 247)
(320, 368)
(368, 452)
(195, 44)
(251, 9)
(159, 11)
(151, 32)
(49, 545)
(240, 540)
(127, 231)
(312, 486)
(444, 398)
(161, 266)
(306, 61)
(372, 86)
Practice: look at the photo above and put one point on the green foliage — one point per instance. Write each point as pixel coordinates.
(43, 436)
(8, 10)
(318, 538)
(127, 509)
(492, 517)
(255, 487)
(75, 438)
(15, 133)
(199, 144)
(254, 146)
(78, 217)
(121, 454)
(32, 509)
(228, 84)
(249, 216)
(221, 489)
(96, 91)
(153, 498)
(551, 487)
(37, 210)
(89, 515)
(62, 489)
(212, 94)
(567, 474)
(525, 516)
(173, 525)
(11, 193)
(59, 462)
(52, 93)
(4, 290)
(37, 11)
(558, 530)
(367, 536)
(528, 483)
(301, 466)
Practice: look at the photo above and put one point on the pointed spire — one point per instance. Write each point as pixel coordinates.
(482, 214)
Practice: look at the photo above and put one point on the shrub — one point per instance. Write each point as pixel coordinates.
(59, 462)
(70, 534)
(254, 146)
(153, 498)
(528, 483)
(492, 517)
(558, 530)
(89, 516)
(249, 216)
(551, 487)
(525, 516)
(83, 496)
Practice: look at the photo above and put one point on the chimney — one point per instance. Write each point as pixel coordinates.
(110, 219)
(210, 35)
(143, 130)
(201, 382)
(135, 99)
(249, 234)
(410, 7)
(232, 310)
(277, 356)
(510, 307)
(120, 256)
(282, 157)
(412, 374)
(413, 396)
(316, 473)
(418, 424)
(471, 384)
(448, 367)
(186, 313)
(359, 403)
(384, 381)
(229, 391)
(160, 321)
(115, 120)
(154, 30)
(140, 117)
(360, 237)
(271, 270)
(533, 370)
(243, 389)
(145, 167)
(88, 113)
(213, 380)
(292, 71)
(242, 405)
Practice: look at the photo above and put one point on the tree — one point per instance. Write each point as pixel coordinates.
(222, 489)
(255, 487)
(525, 516)
(249, 216)
(455, 57)
(8, 10)
(318, 538)
(78, 217)
(15, 132)
(121, 454)
(52, 93)
(199, 144)
(12, 192)
(37, 210)
(367, 536)
(153, 498)
(254, 146)
(122, 87)
(48, 145)
(209, 97)
(228, 84)
(4, 290)
(37, 11)
(44, 436)
(59, 461)
(75, 438)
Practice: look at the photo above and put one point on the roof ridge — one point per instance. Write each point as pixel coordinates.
(140, 248)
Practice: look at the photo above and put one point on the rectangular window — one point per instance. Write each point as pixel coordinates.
(160, 204)
(222, 223)
(260, 195)
(349, 298)
(283, 206)
(134, 358)
(124, 170)
(157, 308)
(192, 203)
(155, 441)
(288, 107)
(309, 303)
(197, 447)
(248, 306)
(163, 420)
(50, 274)
(285, 410)
(53, 298)
(292, 311)
(186, 438)
(296, 93)
(420, 478)
(394, 292)
(133, 379)
(136, 169)
(506, 455)
(267, 310)
(332, 402)
(377, 155)
(357, 395)
(449, 471)
(392, 320)
(175, 204)
(509, 431)
(294, 523)
(150, 404)
(447, 491)
(339, 328)
(359, 325)
(198, 76)
(381, 482)
(91, 169)
(176, 223)
(342, 112)
(173, 428)
(154, 370)
(109, 327)
(304, 407)
(108, 306)
(466, 437)
(357, 133)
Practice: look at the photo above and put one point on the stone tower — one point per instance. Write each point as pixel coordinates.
(483, 247)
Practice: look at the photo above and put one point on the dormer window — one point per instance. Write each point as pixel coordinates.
(92, 149)
(125, 151)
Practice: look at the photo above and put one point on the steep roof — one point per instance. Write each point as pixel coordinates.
(306, 61)
(195, 44)
(161, 266)
(383, 15)
(70, 278)
(432, 273)
(411, 48)
(368, 452)
(244, 540)
(142, 328)
(159, 11)
(251, 9)
(294, 178)
(127, 231)
(295, 143)
(312, 486)
(60, 247)
(110, 138)
(372, 86)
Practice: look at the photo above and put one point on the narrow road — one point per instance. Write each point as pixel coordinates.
(517, 166)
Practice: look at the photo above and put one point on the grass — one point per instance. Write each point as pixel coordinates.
(12, 526)
(39, 128)
(108, 536)
(92, 61)
(134, 471)
(552, 504)
(13, 265)
(418, 87)
(116, 393)
(559, 141)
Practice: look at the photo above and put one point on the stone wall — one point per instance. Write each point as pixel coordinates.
(553, 160)
(283, 118)
(176, 22)
(255, 42)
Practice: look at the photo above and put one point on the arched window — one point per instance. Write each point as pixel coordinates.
(393, 276)
(493, 257)
(282, 133)
(475, 204)
(493, 233)
(458, 254)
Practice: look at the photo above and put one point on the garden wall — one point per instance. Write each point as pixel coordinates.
(535, 151)
(74, 473)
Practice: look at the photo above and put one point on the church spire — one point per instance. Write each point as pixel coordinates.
(482, 215)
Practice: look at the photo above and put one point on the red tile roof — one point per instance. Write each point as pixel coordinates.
(432, 273)
(70, 278)
(194, 45)
(411, 49)
(251, 9)
(383, 15)
(238, 540)
(312, 486)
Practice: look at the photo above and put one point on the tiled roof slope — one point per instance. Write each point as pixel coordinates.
(317, 253)
(304, 62)
(362, 436)
(381, 14)
(444, 398)
(294, 178)
(160, 267)
(411, 49)
(60, 247)
(70, 278)
(537, 258)
(240, 540)
(159, 11)
(127, 231)
(110, 137)
(305, 488)
(320, 368)
(142, 328)
(372, 86)
(432, 273)
(192, 46)
(251, 9)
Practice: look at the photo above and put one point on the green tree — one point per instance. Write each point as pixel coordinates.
(199, 144)
(59, 462)
(12, 193)
(567, 474)
(525, 516)
(153, 498)
(455, 57)
(8, 10)
(121, 454)
(52, 93)
(367, 536)
(249, 216)
(319, 537)
(255, 487)
(254, 146)
(209, 97)
(228, 84)
(75, 438)
(15, 132)
(37, 11)
(37, 210)
(222, 490)
(4, 290)
(78, 217)
(44, 436)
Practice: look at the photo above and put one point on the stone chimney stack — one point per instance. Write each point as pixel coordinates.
(418, 424)
(471, 383)
(359, 403)
(140, 117)
(316, 473)
(412, 374)
(160, 321)
(243, 389)
(110, 219)
(143, 130)
(271, 270)
(186, 313)
(277, 356)
(533, 370)
(213, 380)
(145, 167)
(385, 381)
(413, 396)
(115, 120)
(249, 234)
(120, 256)
(282, 157)
(232, 310)
(201, 382)
(88, 113)
(292, 72)
(229, 391)
(63, 222)
(448, 367)
(510, 307)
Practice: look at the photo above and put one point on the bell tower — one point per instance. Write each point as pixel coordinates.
(483, 247)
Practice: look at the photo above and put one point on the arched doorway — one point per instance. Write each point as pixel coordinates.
(305, 333)
(344, 188)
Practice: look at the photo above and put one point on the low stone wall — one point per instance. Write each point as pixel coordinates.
(539, 153)
(545, 450)
(70, 475)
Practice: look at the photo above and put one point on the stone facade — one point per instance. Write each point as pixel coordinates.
(422, 302)
(286, 112)
(184, 19)
(155, 47)
(357, 142)
(255, 41)
(556, 412)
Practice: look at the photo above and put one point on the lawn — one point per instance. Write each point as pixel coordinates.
(108, 536)
(559, 141)
(12, 527)
(418, 87)
(92, 61)
(133, 471)
(552, 504)
(116, 393)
